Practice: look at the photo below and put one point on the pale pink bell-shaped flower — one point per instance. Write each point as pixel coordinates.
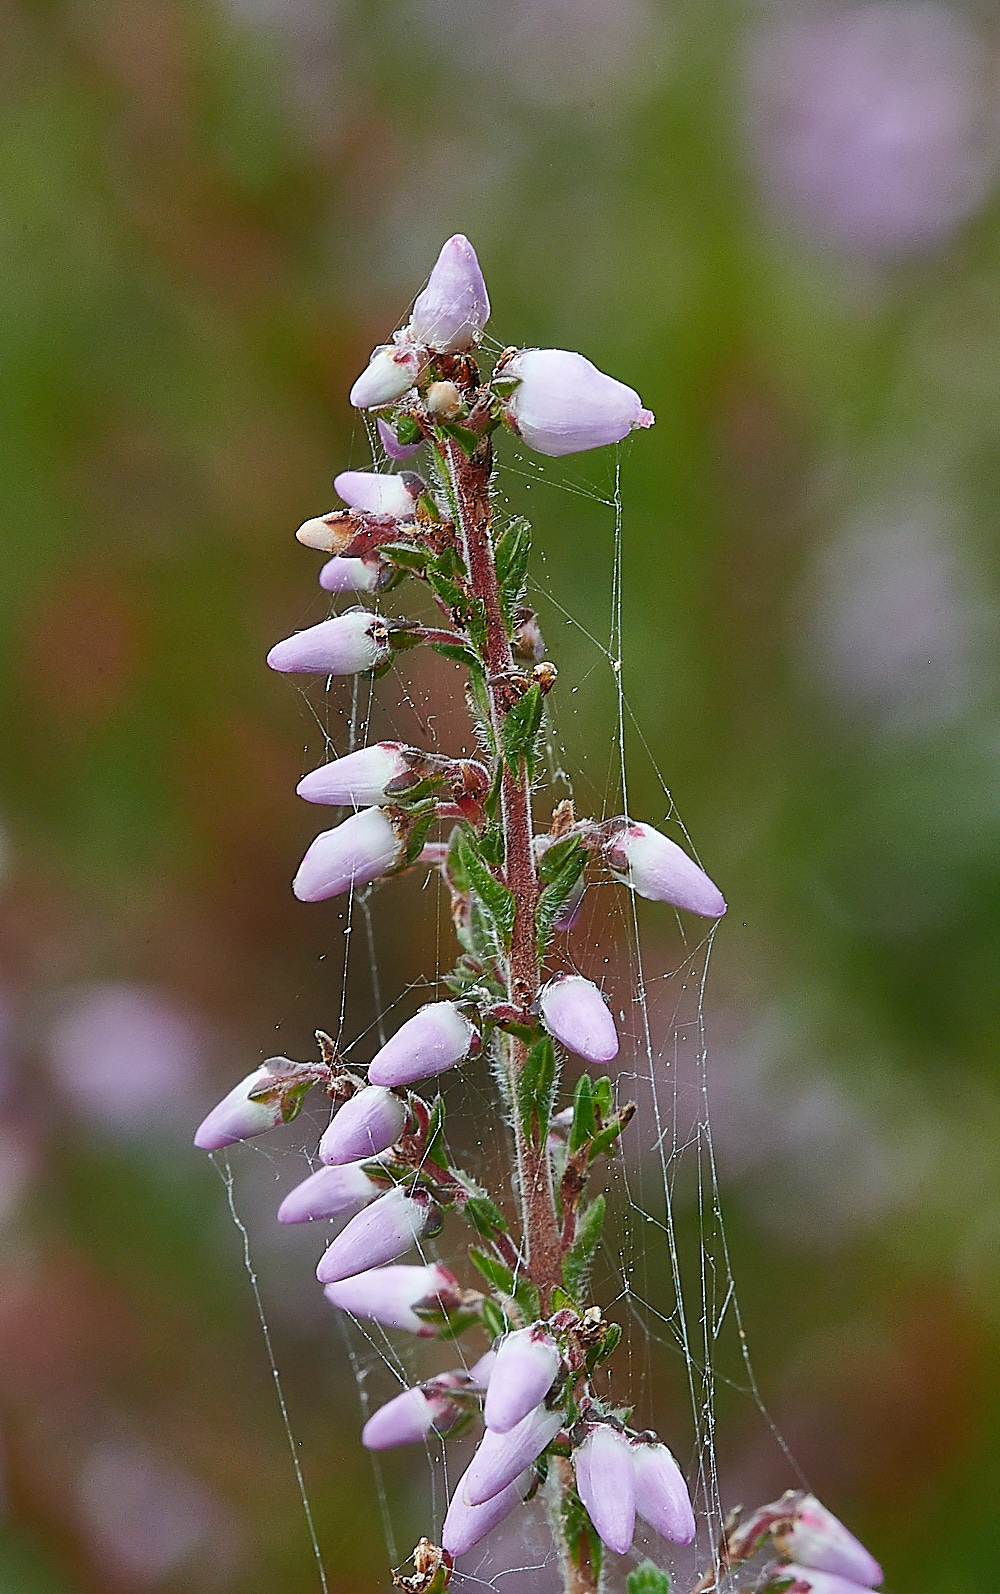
(807, 1577)
(817, 1539)
(328, 1192)
(390, 442)
(575, 1012)
(526, 1364)
(655, 867)
(564, 404)
(450, 314)
(350, 575)
(661, 1495)
(501, 1456)
(348, 644)
(393, 1296)
(357, 781)
(408, 1418)
(392, 370)
(237, 1117)
(354, 853)
(379, 1234)
(435, 1038)
(368, 1123)
(605, 1482)
(378, 494)
(465, 1525)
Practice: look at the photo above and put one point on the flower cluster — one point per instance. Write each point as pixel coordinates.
(816, 1553)
(384, 1161)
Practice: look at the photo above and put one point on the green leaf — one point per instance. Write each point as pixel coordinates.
(535, 1088)
(608, 1344)
(485, 1216)
(407, 431)
(528, 1299)
(480, 703)
(584, 1124)
(496, 899)
(604, 1096)
(418, 834)
(556, 894)
(580, 1533)
(647, 1579)
(460, 653)
(495, 1273)
(426, 503)
(577, 1261)
(434, 1146)
(494, 1321)
(511, 554)
(559, 1301)
(468, 441)
(519, 729)
(405, 554)
(491, 845)
(456, 1325)
(449, 562)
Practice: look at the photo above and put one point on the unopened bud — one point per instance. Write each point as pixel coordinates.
(444, 400)
(346, 645)
(365, 1125)
(661, 1495)
(575, 1012)
(655, 867)
(450, 314)
(381, 1233)
(392, 370)
(526, 1365)
(502, 1456)
(237, 1117)
(359, 780)
(465, 1525)
(563, 404)
(390, 442)
(435, 1038)
(408, 1419)
(378, 494)
(327, 1193)
(605, 1482)
(353, 854)
(393, 1296)
(352, 575)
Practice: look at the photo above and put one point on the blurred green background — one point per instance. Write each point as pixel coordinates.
(781, 225)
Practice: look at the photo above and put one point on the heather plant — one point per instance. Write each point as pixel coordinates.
(549, 1423)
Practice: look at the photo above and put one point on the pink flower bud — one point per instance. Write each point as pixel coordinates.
(661, 1495)
(368, 1123)
(392, 370)
(605, 1482)
(390, 442)
(408, 1419)
(564, 404)
(435, 1038)
(346, 645)
(657, 868)
(450, 314)
(350, 575)
(392, 1296)
(354, 854)
(357, 781)
(526, 1365)
(329, 1192)
(237, 1117)
(501, 1456)
(465, 1525)
(817, 1539)
(481, 1371)
(379, 1234)
(808, 1581)
(377, 494)
(575, 1012)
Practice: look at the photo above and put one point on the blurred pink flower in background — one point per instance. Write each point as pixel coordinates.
(872, 125)
(126, 1058)
(149, 1520)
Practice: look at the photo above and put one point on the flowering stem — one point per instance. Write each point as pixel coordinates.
(469, 478)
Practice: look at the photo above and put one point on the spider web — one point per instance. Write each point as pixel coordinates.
(664, 1270)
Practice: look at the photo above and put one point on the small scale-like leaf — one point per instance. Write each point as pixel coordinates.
(460, 653)
(511, 553)
(494, 1321)
(604, 1096)
(434, 1145)
(405, 554)
(535, 1087)
(528, 1299)
(578, 1259)
(467, 440)
(560, 887)
(559, 1301)
(497, 899)
(495, 1273)
(519, 730)
(407, 431)
(485, 1216)
(647, 1579)
(609, 1343)
(584, 1124)
(418, 833)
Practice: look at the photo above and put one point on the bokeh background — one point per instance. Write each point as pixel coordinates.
(781, 224)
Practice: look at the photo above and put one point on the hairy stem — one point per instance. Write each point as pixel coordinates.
(470, 480)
